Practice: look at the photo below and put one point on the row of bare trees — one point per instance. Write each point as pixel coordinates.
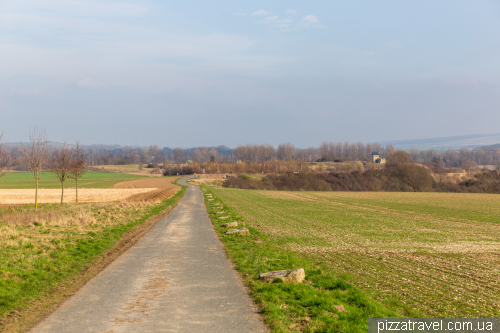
(37, 155)
(68, 163)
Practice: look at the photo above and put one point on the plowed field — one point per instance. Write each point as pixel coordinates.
(159, 188)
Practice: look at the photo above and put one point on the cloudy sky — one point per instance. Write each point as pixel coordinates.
(190, 73)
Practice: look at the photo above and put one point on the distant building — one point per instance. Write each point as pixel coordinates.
(376, 158)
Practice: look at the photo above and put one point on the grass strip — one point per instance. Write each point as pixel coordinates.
(29, 292)
(323, 303)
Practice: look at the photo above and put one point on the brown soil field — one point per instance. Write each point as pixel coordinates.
(162, 188)
(128, 169)
(52, 196)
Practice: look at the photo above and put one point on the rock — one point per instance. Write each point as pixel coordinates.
(295, 275)
(219, 213)
(230, 224)
(339, 308)
(223, 217)
(241, 231)
(210, 199)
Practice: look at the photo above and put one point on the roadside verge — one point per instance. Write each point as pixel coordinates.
(60, 274)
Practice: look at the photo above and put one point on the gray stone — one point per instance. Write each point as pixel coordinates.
(295, 275)
(230, 224)
(241, 231)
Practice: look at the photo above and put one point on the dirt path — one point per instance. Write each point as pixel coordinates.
(176, 279)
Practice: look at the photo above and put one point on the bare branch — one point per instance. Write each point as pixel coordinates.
(6, 157)
(79, 166)
(35, 155)
(61, 164)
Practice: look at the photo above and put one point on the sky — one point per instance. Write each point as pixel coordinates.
(197, 73)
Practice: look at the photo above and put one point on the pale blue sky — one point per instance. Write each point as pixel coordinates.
(191, 73)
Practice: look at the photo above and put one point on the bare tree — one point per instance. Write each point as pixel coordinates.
(5, 157)
(469, 166)
(79, 166)
(35, 156)
(286, 152)
(440, 172)
(61, 163)
(179, 155)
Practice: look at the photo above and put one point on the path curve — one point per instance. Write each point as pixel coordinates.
(177, 278)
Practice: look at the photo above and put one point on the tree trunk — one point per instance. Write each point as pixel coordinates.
(76, 179)
(62, 192)
(36, 194)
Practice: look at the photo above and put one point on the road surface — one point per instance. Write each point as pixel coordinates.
(175, 279)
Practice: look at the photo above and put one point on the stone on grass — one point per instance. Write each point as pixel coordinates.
(210, 199)
(223, 217)
(339, 308)
(230, 224)
(219, 213)
(295, 275)
(241, 231)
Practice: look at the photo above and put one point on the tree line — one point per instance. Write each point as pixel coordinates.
(399, 174)
(464, 158)
(38, 156)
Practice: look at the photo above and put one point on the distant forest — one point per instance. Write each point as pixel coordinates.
(260, 153)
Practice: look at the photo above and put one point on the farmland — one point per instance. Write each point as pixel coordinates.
(91, 179)
(137, 189)
(419, 254)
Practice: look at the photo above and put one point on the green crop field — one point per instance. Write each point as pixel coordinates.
(420, 254)
(91, 179)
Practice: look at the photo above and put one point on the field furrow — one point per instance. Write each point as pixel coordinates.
(434, 254)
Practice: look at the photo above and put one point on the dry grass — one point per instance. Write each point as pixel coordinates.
(45, 229)
(51, 196)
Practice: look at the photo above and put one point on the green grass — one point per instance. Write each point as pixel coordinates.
(306, 307)
(91, 179)
(35, 257)
(417, 254)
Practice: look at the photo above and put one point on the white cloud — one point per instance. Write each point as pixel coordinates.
(310, 21)
(288, 23)
(89, 83)
(272, 18)
(261, 12)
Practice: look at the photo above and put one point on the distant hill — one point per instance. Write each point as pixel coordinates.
(450, 142)
(491, 147)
